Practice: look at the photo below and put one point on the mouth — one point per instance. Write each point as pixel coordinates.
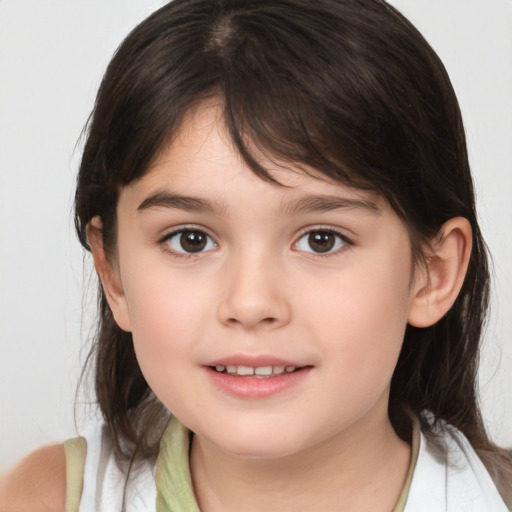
(260, 372)
(259, 377)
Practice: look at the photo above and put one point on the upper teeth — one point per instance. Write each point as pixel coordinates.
(263, 371)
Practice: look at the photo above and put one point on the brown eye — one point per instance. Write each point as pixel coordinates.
(193, 241)
(320, 241)
(190, 241)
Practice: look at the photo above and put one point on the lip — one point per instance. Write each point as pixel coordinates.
(253, 360)
(251, 387)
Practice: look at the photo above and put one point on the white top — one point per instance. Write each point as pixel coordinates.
(103, 481)
(448, 477)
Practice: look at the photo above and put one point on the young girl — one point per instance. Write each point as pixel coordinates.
(277, 197)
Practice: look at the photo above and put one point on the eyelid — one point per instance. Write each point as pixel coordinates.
(168, 232)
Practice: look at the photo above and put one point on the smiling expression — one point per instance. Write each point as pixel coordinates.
(267, 317)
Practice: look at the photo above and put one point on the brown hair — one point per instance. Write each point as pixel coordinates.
(348, 87)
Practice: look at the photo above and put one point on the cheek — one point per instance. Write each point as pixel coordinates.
(166, 315)
(360, 320)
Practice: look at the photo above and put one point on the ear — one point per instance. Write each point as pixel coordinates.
(108, 273)
(437, 285)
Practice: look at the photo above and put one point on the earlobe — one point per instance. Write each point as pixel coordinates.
(108, 274)
(440, 282)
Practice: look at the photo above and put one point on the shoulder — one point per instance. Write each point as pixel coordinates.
(37, 483)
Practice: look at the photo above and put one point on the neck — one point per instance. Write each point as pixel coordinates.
(362, 468)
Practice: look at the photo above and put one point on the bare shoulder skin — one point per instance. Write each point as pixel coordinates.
(37, 483)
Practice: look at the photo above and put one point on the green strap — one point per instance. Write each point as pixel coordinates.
(174, 492)
(402, 500)
(75, 450)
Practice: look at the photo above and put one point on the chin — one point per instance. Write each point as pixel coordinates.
(256, 445)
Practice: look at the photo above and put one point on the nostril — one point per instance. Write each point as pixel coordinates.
(251, 311)
(264, 321)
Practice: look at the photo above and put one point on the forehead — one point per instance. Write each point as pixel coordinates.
(201, 160)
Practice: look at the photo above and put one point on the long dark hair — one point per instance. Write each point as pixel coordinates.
(347, 87)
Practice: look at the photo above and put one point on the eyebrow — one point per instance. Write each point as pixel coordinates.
(327, 203)
(307, 204)
(164, 199)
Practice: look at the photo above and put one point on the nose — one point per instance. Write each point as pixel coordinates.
(254, 295)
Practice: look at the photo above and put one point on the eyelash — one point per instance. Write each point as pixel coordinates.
(165, 241)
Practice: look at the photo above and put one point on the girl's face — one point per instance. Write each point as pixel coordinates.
(267, 318)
